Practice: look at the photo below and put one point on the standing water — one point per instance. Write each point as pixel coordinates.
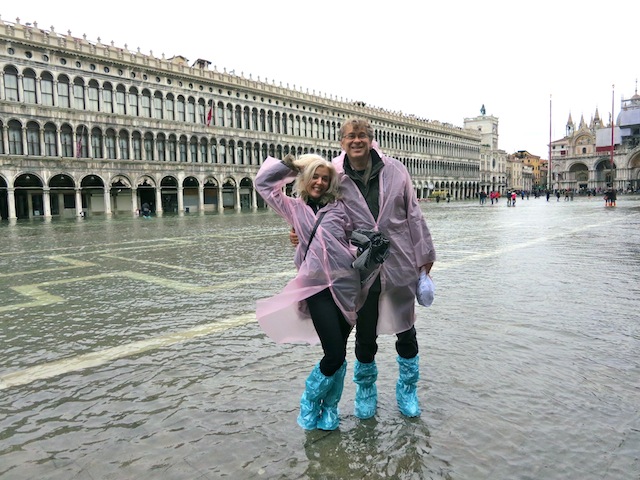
(130, 350)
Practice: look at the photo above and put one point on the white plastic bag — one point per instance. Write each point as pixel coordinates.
(425, 290)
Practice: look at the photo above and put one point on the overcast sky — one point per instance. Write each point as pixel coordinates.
(438, 60)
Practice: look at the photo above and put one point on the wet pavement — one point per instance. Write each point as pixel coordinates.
(130, 351)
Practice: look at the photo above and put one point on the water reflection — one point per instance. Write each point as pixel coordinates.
(129, 350)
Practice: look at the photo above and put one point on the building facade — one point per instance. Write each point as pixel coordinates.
(90, 128)
(493, 161)
(586, 158)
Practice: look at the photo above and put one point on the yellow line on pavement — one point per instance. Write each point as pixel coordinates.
(101, 357)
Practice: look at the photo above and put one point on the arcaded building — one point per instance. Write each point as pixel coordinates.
(88, 128)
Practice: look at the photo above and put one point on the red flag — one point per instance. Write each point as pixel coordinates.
(210, 114)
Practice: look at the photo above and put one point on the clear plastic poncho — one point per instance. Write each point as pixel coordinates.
(400, 219)
(284, 317)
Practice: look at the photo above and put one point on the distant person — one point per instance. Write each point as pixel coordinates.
(146, 210)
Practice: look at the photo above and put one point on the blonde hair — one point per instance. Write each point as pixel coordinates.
(307, 165)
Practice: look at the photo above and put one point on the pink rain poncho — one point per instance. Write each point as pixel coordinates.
(284, 317)
(401, 221)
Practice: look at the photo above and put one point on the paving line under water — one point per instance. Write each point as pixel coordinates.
(94, 359)
(100, 357)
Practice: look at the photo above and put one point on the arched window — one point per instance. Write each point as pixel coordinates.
(50, 140)
(247, 122)
(191, 110)
(204, 150)
(78, 94)
(214, 152)
(107, 98)
(238, 119)
(263, 123)
(46, 89)
(82, 142)
(157, 105)
(193, 149)
(161, 145)
(96, 143)
(63, 91)
(180, 109)
(173, 147)
(254, 119)
(222, 152)
(133, 102)
(202, 112)
(136, 145)
(33, 139)
(66, 141)
(169, 104)
(183, 148)
(145, 101)
(232, 152)
(123, 143)
(11, 84)
(121, 100)
(148, 146)
(110, 144)
(93, 94)
(229, 115)
(220, 114)
(29, 86)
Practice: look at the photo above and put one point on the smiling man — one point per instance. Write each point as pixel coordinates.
(379, 195)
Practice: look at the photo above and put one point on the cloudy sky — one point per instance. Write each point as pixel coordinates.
(437, 60)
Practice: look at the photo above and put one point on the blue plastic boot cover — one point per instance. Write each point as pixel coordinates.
(365, 376)
(406, 391)
(329, 415)
(317, 386)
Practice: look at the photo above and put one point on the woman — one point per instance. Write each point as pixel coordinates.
(322, 301)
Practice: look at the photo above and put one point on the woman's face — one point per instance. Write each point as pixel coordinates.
(319, 183)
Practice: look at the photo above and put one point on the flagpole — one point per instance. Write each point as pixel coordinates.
(549, 175)
(613, 122)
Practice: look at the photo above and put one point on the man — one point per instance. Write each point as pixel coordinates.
(379, 195)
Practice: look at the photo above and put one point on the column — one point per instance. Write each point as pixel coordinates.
(254, 199)
(107, 200)
(220, 205)
(134, 200)
(46, 202)
(158, 201)
(78, 202)
(237, 200)
(201, 198)
(11, 203)
(180, 199)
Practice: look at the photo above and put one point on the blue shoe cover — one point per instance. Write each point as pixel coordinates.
(317, 386)
(365, 376)
(406, 391)
(329, 416)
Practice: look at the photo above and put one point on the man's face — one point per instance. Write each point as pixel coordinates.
(356, 143)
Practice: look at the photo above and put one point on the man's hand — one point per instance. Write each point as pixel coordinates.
(293, 238)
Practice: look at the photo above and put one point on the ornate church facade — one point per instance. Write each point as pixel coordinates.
(584, 158)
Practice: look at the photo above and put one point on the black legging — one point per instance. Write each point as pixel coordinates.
(332, 329)
(366, 336)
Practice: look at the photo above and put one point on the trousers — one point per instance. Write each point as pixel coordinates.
(366, 336)
(332, 328)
